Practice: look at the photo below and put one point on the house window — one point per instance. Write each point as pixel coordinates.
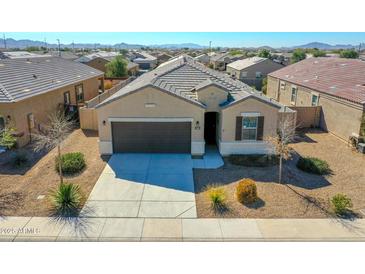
(249, 128)
(258, 74)
(282, 85)
(2, 124)
(244, 74)
(314, 100)
(293, 98)
(79, 93)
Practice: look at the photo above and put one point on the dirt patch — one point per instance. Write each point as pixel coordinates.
(20, 188)
(303, 195)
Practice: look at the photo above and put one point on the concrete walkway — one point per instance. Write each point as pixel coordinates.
(157, 229)
(144, 185)
(211, 159)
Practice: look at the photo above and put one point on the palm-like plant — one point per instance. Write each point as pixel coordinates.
(66, 199)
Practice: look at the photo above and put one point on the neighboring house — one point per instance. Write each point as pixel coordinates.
(335, 84)
(144, 60)
(252, 70)
(181, 106)
(99, 60)
(30, 89)
(163, 57)
(22, 55)
(220, 61)
(283, 58)
(203, 58)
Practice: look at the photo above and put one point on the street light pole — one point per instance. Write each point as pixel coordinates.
(59, 48)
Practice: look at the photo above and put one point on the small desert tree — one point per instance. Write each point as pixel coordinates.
(117, 67)
(54, 133)
(285, 135)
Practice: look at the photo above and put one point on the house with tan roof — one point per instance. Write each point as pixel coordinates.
(99, 60)
(182, 106)
(252, 70)
(335, 85)
(31, 89)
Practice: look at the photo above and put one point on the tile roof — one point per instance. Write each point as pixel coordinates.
(339, 77)
(23, 54)
(24, 78)
(245, 63)
(181, 76)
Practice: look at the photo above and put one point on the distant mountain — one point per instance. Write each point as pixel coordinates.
(22, 44)
(324, 46)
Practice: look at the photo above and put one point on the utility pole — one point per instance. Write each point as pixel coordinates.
(59, 48)
(4, 41)
(210, 46)
(45, 44)
(73, 46)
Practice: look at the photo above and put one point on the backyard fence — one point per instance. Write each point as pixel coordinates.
(87, 113)
(307, 116)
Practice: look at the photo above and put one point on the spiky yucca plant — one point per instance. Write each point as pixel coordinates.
(217, 196)
(66, 199)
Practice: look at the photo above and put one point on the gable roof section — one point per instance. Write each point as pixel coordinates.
(182, 76)
(23, 78)
(339, 77)
(245, 63)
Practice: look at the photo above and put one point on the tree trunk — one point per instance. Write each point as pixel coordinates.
(60, 163)
(280, 168)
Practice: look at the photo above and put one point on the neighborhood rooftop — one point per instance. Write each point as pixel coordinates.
(24, 78)
(245, 63)
(182, 76)
(343, 78)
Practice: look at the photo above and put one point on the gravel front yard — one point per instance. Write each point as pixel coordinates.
(303, 195)
(20, 188)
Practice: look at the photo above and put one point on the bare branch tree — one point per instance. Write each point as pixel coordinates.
(285, 135)
(54, 133)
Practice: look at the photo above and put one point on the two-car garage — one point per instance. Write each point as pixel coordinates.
(151, 136)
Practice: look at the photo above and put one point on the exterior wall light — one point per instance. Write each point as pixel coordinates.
(197, 125)
(104, 122)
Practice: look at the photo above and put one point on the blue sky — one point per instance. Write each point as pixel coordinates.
(230, 39)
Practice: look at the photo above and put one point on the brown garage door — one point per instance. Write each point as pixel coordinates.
(151, 137)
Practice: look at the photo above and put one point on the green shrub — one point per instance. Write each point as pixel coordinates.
(254, 160)
(341, 204)
(71, 163)
(246, 191)
(7, 138)
(66, 199)
(217, 196)
(20, 159)
(313, 165)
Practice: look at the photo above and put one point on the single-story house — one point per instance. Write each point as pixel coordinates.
(30, 89)
(162, 57)
(99, 60)
(252, 70)
(337, 85)
(219, 61)
(181, 106)
(144, 60)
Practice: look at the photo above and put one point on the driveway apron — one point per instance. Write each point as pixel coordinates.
(144, 185)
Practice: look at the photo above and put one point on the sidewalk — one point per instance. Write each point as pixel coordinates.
(157, 229)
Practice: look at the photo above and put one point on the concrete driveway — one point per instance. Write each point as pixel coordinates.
(144, 185)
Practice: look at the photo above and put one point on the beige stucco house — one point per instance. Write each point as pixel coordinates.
(252, 70)
(99, 60)
(182, 106)
(31, 89)
(337, 85)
